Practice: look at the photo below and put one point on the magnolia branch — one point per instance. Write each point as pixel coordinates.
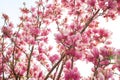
(89, 21)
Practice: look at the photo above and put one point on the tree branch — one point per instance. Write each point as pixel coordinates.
(28, 67)
(89, 21)
(54, 67)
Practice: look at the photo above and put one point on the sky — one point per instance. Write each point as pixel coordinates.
(11, 7)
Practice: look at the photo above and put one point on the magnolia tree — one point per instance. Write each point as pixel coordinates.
(26, 53)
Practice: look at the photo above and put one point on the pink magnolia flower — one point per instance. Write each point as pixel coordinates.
(93, 56)
(20, 69)
(39, 3)
(5, 16)
(11, 25)
(100, 76)
(45, 32)
(68, 64)
(24, 10)
(60, 37)
(111, 4)
(54, 57)
(32, 41)
(6, 31)
(92, 2)
(72, 74)
(33, 9)
(41, 57)
(95, 52)
(71, 52)
(105, 62)
(40, 74)
(106, 51)
(104, 33)
(40, 49)
(108, 73)
(35, 31)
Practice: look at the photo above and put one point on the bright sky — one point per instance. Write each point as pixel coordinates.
(11, 7)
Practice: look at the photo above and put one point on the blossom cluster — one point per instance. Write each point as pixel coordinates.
(26, 53)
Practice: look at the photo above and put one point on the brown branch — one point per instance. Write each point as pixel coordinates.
(28, 67)
(3, 59)
(56, 72)
(72, 61)
(60, 72)
(54, 67)
(89, 21)
(13, 63)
